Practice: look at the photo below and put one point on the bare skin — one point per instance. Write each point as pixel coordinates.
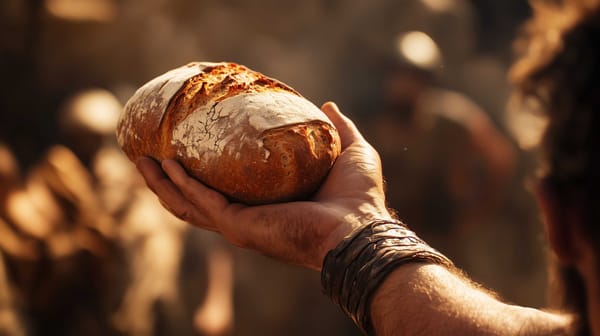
(299, 232)
(434, 298)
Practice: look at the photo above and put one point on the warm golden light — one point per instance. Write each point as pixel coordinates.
(94, 110)
(439, 5)
(82, 10)
(526, 126)
(419, 49)
(33, 210)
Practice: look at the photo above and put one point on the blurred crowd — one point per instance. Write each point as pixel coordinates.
(85, 248)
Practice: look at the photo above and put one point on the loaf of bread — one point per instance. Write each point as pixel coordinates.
(252, 138)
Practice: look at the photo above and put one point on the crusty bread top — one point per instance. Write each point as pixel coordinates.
(172, 97)
(245, 134)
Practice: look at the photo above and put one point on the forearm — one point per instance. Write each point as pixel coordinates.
(425, 299)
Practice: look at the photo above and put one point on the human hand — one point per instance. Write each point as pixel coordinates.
(296, 232)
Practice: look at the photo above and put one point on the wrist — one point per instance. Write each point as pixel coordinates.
(355, 268)
(350, 224)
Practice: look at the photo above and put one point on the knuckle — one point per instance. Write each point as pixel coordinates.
(184, 214)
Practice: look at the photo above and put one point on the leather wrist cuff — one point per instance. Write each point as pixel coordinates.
(354, 269)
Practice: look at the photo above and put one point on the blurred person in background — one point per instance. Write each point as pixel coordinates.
(446, 164)
(88, 250)
(58, 248)
(559, 71)
(448, 168)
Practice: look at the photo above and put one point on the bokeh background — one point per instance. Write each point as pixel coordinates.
(86, 249)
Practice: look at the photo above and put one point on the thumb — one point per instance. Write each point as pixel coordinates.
(346, 127)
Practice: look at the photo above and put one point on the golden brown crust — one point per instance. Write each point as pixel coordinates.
(299, 158)
(217, 82)
(222, 144)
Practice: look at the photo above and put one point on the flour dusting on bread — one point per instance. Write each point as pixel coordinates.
(210, 128)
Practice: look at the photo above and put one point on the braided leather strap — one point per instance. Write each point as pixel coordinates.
(358, 265)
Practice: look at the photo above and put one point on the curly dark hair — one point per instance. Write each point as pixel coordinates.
(559, 69)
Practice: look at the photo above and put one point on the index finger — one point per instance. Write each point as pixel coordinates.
(171, 196)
